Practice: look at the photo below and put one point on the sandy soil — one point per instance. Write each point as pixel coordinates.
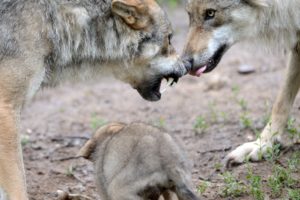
(56, 123)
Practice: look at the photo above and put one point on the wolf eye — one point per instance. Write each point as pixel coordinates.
(209, 14)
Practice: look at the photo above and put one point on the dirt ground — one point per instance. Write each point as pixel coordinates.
(58, 120)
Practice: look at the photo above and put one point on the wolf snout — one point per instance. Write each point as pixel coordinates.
(188, 63)
(182, 68)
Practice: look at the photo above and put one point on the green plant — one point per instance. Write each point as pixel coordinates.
(171, 3)
(291, 128)
(243, 104)
(272, 153)
(280, 179)
(246, 122)
(267, 113)
(218, 166)
(70, 171)
(97, 122)
(25, 139)
(202, 187)
(232, 187)
(213, 113)
(255, 185)
(294, 194)
(235, 90)
(224, 116)
(160, 122)
(215, 116)
(294, 162)
(200, 125)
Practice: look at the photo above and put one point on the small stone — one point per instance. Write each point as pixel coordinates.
(246, 69)
(216, 82)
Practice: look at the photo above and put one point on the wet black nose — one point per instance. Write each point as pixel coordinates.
(188, 63)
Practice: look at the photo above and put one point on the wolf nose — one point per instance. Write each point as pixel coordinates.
(188, 63)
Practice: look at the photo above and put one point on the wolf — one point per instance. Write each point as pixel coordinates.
(216, 25)
(138, 161)
(43, 42)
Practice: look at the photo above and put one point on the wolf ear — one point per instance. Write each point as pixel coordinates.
(258, 3)
(133, 12)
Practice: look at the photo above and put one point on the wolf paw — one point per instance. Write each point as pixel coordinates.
(252, 151)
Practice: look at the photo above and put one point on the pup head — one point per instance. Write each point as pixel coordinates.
(215, 25)
(149, 37)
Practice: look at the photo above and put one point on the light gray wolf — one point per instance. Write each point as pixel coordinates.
(45, 41)
(216, 25)
(138, 161)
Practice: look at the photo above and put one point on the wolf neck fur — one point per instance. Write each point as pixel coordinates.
(279, 24)
(88, 40)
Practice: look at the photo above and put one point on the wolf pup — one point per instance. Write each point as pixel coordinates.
(216, 25)
(138, 161)
(43, 42)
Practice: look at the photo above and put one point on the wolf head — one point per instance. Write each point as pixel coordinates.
(154, 57)
(215, 25)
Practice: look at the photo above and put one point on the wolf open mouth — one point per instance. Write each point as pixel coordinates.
(212, 63)
(152, 91)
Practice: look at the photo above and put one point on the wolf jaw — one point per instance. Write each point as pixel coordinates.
(266, 22)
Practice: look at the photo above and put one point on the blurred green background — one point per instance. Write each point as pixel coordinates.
(171, 3)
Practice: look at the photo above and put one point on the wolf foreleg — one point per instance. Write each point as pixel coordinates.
(274, 131)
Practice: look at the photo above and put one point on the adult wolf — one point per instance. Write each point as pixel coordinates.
(215, 25)
(45, 41)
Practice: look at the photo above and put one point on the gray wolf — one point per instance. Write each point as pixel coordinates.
(138, 161)
(44, 42)
(216, 25)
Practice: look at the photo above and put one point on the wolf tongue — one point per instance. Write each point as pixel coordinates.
(200, 71)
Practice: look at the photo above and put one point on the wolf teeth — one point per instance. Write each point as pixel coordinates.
(163, 90)
(170, 83)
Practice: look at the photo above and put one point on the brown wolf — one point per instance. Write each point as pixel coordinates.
(215, 25)
(43, 42)
(138, 161)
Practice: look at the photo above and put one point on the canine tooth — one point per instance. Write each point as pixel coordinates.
(170, 82)
(163, 90)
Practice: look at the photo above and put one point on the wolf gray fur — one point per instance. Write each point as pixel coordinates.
(218, 24)
(84, 38)
(138, 161)
(43, 42)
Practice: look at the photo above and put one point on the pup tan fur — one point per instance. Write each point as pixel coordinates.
(138, 161)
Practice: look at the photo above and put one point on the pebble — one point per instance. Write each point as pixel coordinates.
(246, 69)
(216, 82)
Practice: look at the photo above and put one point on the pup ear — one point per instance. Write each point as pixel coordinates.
(133, 12)
(88, 149)
(91, 145)
(259, 3)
